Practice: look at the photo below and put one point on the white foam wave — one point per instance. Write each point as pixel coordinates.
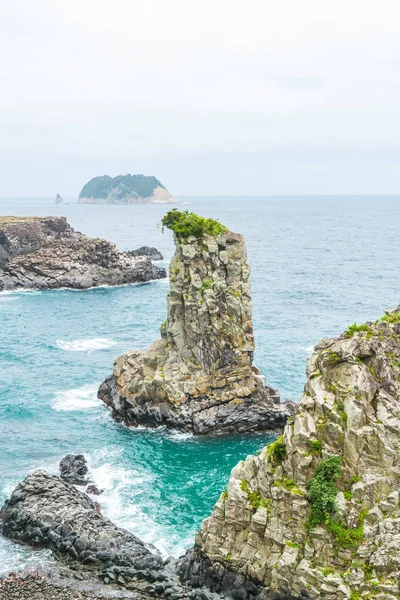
(179, 436)
(125, 501)
(80, 398)
(309, 349)
(85, 345)
(7, 298)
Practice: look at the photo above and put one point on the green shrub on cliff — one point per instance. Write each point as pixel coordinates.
(322, 490)
(185, 224)
(276, 451)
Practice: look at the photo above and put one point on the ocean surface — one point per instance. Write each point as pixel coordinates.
(318, 264)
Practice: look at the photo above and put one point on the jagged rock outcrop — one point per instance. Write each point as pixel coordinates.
(199, 376)
(47, 253)
(317, 513)
(45, 511)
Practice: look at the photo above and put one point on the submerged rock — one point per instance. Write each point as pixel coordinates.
(46, 253)
(200, 375)
(317, 514)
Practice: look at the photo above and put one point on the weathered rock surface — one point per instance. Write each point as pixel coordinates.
(200, 375)
(317, 513)
(45, 511)
(46, 253)
(149, 251)
(74, 469)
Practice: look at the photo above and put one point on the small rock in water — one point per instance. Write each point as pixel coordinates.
(93, 489)
(74, 469)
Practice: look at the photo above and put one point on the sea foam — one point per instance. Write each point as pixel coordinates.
(80, 398)
(125, 501)
(86, 344)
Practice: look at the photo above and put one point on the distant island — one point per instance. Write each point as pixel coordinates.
(125, 189)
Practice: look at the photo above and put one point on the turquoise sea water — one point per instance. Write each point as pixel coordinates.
(318, 264)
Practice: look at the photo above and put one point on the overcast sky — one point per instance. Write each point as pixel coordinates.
(212, 97)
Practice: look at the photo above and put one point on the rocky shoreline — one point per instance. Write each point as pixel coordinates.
(316, 512)
(47, 253)
(49, 586)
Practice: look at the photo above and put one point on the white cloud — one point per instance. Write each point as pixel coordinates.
(121, 81)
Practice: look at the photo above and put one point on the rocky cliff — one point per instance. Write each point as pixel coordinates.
(125, 189)
(46, 252)
(317, 514)
(200, 375)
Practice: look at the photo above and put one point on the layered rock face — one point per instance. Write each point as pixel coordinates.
(46, 253)
(199, 376)
(45, 511)
(317, 514)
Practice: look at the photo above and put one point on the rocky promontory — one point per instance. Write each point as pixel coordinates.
(125, 189)
(47, 253)
(199, 376)
(316, 514)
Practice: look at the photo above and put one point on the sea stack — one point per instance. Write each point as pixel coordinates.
(199, 377)
(316, 514)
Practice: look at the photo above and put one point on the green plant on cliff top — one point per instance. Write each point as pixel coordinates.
(185, 224)
(352, 329)
(390, 318)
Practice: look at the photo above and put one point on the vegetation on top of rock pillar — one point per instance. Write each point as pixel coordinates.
(390, 318)
(352, 329)
(185, 224)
